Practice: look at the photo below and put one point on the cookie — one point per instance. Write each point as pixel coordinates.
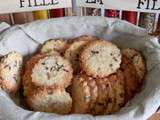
(110, 94)
(58, 45)
(26, 78)
(102, 98)
(100, 59)
(74, 49)
(94, 94)
(119, 91)
(138, 61)
(52, 52)
(48, 71)
(58, 101)
(130, 78)
(111, 101)
(10, 72)
(80, 94)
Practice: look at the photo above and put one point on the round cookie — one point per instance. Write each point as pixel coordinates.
(138, 61)
(100, 59)
(58, 45)
(48, 71)
(80, 94)
(58, 101)
(130, 78)
(10, 72)
(74, 49)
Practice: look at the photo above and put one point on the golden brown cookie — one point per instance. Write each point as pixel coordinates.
(73, 51)
(26, 80)
(102, 99)
(80, 94)
(119, 91)
(44, 100)
(10, 72)
(138, 61)
(47, 70)
(100, 59)
(94, 93)
(52, 52)
(112, 95)
(130, 78)
(58, 45)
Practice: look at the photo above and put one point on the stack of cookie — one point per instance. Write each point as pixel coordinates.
(105, 77)
(46, 77)
(99, 77)
(94, 87)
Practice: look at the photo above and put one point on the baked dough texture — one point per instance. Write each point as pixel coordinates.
(10, 72)
(100, 59)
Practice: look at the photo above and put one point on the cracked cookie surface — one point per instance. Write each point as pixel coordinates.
(58, 101)
(10, 71)
(48, 70)
(100, 59)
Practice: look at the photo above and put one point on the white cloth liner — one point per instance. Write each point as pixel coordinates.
(27, 38)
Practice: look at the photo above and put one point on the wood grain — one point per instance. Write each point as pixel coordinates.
(156, 116)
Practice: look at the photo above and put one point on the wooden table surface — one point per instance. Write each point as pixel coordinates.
(155, 117)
